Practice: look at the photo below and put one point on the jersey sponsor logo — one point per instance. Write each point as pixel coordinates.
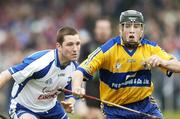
(48, 94)
(131, 60)
(61, 74)
(136, 82)
(132, 80)
(130, 76)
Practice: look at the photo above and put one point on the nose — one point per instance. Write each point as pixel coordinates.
(75, 48)
(132, 28)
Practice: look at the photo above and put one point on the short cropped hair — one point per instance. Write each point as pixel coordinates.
(63, 32)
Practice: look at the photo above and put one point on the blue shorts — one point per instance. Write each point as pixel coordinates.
(148, 105)
(57, 112)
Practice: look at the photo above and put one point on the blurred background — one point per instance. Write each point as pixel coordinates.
(30, 25)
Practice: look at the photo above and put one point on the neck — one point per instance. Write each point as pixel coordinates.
(130, 47)
(63, 61)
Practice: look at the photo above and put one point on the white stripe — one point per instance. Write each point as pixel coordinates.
(12, 111)
(94, 53)
(68, 96)
(35, 66)
(12, 70)
(63, 116)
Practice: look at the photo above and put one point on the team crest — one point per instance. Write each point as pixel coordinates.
(118, 65)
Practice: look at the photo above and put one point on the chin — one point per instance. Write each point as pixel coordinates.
(74, 59)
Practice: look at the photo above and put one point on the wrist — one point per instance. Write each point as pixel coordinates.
(164, 63)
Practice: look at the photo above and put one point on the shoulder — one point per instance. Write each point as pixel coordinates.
(110, 43)
(38, 55)
(148, 42)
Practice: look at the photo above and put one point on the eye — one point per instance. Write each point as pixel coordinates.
(128, 25)
(69, 44)
(137, 25)
(78, 43)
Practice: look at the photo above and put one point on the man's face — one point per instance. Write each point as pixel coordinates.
(131, 32)
(70, 48)
(102, 30)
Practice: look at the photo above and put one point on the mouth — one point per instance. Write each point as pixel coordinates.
(74, 55)
(131, 37)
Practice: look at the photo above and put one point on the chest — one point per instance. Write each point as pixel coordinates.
(123, 60)
(55, 78)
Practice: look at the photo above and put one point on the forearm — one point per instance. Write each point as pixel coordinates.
(173, 65)
(5, 76)
(77, 78)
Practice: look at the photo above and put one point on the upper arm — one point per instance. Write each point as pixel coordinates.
(22, 71)
(161, 53)
(31, 65)
(92, 63)
(165, 56)
(5, 76)
(173, 65)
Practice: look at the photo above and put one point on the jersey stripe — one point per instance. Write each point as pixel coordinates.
(27, 61)
(117, 80)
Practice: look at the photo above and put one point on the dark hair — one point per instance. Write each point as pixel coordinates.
(63, 32)
(103, 18)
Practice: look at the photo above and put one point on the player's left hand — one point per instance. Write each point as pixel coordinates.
(154, 61)
(68, 106)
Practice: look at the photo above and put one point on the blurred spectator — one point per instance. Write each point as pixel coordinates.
(102, 32)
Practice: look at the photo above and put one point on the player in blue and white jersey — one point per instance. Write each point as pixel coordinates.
(37, 78)
(124, 64)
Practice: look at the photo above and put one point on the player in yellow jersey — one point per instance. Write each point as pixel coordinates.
(125, 75)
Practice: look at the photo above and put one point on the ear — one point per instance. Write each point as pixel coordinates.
(120, 29)
(58, 45)
(142, 32)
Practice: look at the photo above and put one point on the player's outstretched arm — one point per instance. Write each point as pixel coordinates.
(156, 61)
(5, 76)
(77, 79)
(173, 65)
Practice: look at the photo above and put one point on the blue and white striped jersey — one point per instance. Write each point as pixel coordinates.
(37, 79)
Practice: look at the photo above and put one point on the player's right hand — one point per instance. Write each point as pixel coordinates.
(154, 61)
(78, 92)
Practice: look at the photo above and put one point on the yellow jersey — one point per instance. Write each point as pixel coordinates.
(123, 77)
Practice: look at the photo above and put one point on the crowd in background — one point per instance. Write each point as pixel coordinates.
(27, 26)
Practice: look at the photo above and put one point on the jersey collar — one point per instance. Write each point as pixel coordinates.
(57, 61)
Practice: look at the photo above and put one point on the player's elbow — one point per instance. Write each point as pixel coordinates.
(5, 76)
(175, 66)
(176, 69)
